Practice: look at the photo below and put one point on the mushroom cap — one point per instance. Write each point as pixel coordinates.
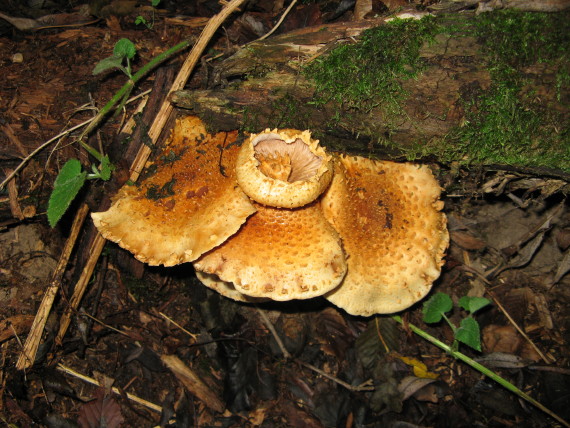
(281, 254)
(190, 205)
(225, 288)
(283, 168)
(393, 232)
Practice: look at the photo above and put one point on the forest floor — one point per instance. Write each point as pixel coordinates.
(510, 240)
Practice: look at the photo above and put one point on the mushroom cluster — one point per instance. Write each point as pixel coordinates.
(279, 218)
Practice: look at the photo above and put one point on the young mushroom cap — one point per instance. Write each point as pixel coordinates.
(393, 232)
(283, 168)
(190, 205)
(280, 254)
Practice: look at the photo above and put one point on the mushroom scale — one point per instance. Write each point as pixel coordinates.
(281, 254)
(190, 205)
(283, 168)
(393, 232)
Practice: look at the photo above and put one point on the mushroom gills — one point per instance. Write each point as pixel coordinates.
(283, 161)
(283, 168)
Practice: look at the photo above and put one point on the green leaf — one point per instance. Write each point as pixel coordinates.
(155, 3)
(106, 168)
(436, 306)
(469, 334)
(473, 304)
(65, 188)
(124, 48)
(108, 64)
(140, 20)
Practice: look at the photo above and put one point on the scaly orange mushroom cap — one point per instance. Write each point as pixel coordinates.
(191, 204)
(393, 232)
(281, 254)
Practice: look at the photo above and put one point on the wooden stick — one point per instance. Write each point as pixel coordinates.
(154, 132)
(192, 382)
(28, 355)
(183, 75)
(518, 328)
(138, 400)
(80, 287)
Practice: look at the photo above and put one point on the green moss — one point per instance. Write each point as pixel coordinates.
(366, 75)
(521, 119)
(510, 123)
(503, 128)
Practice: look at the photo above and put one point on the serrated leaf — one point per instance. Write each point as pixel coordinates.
(108, 64)
(106, 168)
(473, 304)
(436, 306)
(469, 334)
(124, 48)
(65, 188)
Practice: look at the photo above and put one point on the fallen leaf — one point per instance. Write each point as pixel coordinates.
(411, 385)
(104, 411)
(420, 369)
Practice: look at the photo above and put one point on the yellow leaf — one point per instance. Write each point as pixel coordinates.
(420, 369)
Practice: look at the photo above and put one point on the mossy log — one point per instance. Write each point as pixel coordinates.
(266, 85)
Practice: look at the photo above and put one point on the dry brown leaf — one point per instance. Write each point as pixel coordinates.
(104, 411)
(467, 241)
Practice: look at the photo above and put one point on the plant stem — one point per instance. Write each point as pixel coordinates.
(127, 87)
(479, 367)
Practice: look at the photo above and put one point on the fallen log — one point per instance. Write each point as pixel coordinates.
(441, 72)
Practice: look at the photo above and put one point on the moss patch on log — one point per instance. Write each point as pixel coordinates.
(513, 122)
(521, 119)
(368, 74)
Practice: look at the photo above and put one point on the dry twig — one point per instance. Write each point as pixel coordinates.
(28, 355)
(365, 386)
(134, 398)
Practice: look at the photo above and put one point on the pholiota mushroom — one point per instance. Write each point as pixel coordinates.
(190, 205)
(281, 219)
(393, 232)
(280, 254)
(287, 249)
(285, 169)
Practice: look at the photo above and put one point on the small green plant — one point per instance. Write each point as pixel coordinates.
(468, 332)
(71, 179)
(435, 309)
(123, 52)
(141, 20)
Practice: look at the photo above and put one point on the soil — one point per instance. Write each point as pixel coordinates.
(510, 240)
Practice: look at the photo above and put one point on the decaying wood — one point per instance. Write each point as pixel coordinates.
(244, 92)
